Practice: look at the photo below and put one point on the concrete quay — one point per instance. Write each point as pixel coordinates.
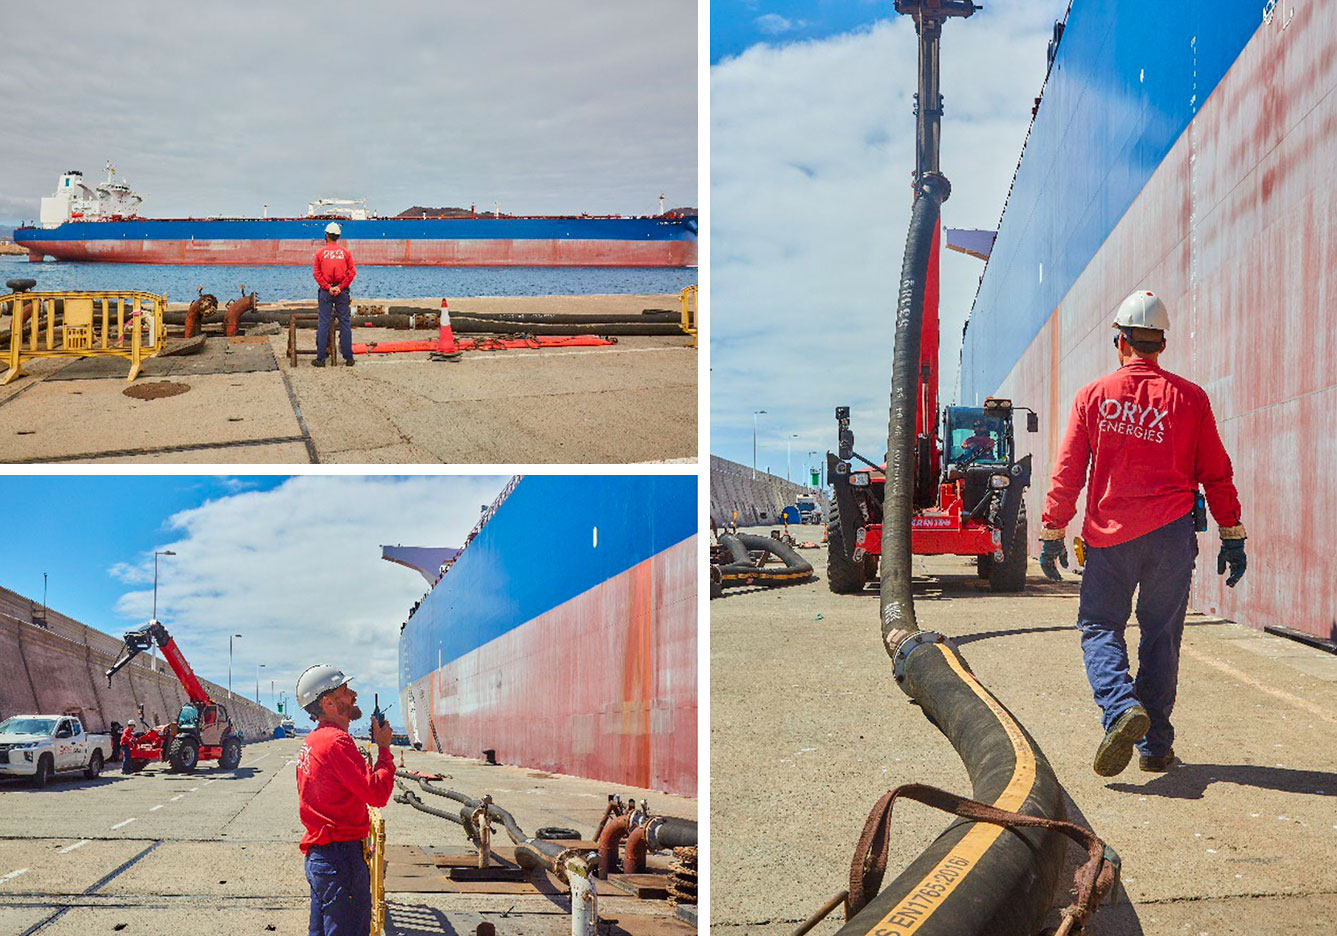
(216, 851)
(808, 729)
(240, 402)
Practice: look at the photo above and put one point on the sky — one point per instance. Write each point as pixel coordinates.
(290, 563)
(811, 156)
(218, 109)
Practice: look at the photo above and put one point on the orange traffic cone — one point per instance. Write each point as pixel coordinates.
(446, 348)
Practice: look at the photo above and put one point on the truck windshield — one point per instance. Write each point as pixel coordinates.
(17, 726)
(976, 438)
(189, 717)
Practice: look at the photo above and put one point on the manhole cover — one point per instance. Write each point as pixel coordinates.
(156, 390)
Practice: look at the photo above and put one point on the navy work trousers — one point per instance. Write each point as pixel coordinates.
(1159, 565)
(339, 307)
(340, 890)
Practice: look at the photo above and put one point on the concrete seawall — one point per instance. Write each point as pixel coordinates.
(757, 497)
(53, 664)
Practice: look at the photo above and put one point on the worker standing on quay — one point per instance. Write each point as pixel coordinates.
(334, 788)
(1150, 439)
(334, 270)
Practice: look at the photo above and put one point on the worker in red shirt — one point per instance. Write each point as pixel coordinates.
(334, 270)
(1149, 439)
(334, 788)
(127, 742)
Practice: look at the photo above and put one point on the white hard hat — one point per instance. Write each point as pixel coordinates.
(318, 680)
(1142, 309)
(333, 228)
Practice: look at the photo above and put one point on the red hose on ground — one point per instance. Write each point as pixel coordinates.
(488, 344)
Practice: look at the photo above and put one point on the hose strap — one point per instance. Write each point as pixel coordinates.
(1092, 881)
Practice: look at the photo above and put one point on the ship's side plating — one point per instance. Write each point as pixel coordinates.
(564, 635)
(1188, 148)
(610, 242)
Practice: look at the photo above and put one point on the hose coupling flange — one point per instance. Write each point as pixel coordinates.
(935, 186)
(909, 646)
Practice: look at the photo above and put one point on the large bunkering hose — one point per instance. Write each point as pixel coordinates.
(977, 877)
(743, 571)
(426, 319)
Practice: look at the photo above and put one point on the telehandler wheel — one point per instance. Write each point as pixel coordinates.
(94, 766)
(844, 575)
(983, 566)
(231, 756)
(1010, 574)
(183, 754)
(46, 768)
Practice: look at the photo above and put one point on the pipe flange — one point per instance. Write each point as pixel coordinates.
(652, 829)
(908, 646)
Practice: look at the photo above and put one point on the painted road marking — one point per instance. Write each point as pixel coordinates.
(259, 759)
(214, 780)
(175, 798)
(192, 789)
(1316, 710)
(69, 848)
(13, 874)
(156, 808)
(124, 822)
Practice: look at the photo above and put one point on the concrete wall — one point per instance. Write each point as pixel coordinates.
(757, 499)
(58, 666)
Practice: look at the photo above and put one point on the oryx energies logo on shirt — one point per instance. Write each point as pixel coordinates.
(1133, 419)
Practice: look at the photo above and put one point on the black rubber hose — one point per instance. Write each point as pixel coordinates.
(897, 606)
(469, 325)
(977, 877)
(562, 318)
(737, 551)
(743, 568)
(671, 832)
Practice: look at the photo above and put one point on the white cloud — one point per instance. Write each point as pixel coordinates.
(297, 571)
(812, 149)
(773, 24)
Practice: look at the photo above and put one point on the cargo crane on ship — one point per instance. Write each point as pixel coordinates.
(202, 729)
(968, 486)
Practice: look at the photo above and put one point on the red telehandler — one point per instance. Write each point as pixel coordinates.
(202, 730)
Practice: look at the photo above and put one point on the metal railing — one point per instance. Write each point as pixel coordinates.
(127, 324)
(688, 299)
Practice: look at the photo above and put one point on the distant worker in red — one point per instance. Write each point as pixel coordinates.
(127, 742)
(1150, 440)
(334, 788)
(334, 270)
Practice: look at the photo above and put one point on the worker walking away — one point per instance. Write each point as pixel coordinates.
(1150, 440)
(334, 788)
(127, 745)
(334, 270)
(115, 741)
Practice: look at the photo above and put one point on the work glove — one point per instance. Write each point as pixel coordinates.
(1232, 555)
(1050, 550)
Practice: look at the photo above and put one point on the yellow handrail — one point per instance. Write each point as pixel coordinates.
(83, 332)
(688, 299)
(373, 851)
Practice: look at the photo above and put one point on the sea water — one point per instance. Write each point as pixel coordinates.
(274, 283)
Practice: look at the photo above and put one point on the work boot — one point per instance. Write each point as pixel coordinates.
(348, 363)
(1116, 750)
(1157, 763)
(317, 363)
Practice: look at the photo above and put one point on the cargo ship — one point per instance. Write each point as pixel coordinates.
(101, 223)
(1187, 148)
(562, 636)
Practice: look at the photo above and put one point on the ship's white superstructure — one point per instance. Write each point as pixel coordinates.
(352, 209)
(76, 200)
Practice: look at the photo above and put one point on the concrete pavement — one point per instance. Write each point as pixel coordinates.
(216, 851)
(808, 729)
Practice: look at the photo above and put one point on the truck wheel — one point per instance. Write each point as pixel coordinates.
(231, 757)
(94, 766)
(844, 575)
(1010, 574)
(46, 768)
(184, 754)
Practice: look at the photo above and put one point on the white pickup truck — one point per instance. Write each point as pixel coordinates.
(40, 746)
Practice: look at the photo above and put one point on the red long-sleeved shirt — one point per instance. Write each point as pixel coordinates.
(333, 266)
(335, 786)
(1150, 440)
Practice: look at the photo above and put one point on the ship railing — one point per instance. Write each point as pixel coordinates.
(688, 300)
(126, 324)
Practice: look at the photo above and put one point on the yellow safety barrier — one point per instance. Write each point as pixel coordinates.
(127, 324)
(373, 851)
(688, 299)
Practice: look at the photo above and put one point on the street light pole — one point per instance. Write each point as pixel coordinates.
(229, 666)
(755, 414)
(789, 455)
(258, 668)
(153, 655)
